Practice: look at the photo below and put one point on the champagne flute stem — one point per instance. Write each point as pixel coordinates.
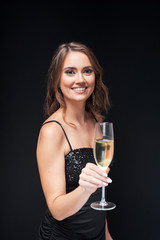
(103, 201)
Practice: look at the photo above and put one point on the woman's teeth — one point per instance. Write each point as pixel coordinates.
(79, 89)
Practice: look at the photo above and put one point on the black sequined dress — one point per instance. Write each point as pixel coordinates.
(87, 223)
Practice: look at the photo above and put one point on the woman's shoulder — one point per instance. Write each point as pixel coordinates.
(51, 126)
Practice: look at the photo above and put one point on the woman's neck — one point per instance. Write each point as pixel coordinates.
(75, 113)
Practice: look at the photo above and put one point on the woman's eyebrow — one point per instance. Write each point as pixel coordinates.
(87, 67)
(72, 68)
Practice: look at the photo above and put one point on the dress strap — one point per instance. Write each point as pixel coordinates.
(62, 129)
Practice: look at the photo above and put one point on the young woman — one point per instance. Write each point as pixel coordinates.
(70, 179)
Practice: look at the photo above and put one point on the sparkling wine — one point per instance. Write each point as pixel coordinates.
(103, 152)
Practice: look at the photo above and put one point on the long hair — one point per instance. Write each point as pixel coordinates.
(54, 97)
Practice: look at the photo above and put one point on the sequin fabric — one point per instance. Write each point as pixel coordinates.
(75, 161)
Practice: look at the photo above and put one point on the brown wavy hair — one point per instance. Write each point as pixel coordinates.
(54, 97)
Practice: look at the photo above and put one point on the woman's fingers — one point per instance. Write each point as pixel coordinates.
(88, 185)
(93, 180)
(89, 173)
(95, 168)
(95, 171)
(92, 177)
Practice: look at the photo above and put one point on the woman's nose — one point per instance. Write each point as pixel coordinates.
(80, 78)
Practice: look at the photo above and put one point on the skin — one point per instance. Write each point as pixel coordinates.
(77, 84)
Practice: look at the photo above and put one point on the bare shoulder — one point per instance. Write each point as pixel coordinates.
(51, 128)
(50, 138)
(51, 132)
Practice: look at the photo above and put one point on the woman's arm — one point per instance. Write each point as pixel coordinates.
(51, 164)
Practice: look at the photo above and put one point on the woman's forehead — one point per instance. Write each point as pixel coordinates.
(76, 58)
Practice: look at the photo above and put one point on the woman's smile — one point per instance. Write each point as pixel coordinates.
(79, 89)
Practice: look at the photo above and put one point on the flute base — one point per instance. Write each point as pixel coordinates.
(103, 206)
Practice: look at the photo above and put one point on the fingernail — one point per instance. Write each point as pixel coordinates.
(105, 184)
(105, 174)
(109, 180)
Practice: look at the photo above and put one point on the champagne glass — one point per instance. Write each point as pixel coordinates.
(103, 150)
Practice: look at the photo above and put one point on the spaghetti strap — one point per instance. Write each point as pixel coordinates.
(62, 129)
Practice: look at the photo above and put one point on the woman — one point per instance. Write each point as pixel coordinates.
(70, 179)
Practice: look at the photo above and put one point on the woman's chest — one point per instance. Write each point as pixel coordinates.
(80, 138)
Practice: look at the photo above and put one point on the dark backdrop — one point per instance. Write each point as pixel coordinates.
(126, 41)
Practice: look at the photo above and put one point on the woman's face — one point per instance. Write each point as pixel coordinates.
(77, 80)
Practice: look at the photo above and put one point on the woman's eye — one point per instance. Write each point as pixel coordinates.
(70, 72)
(88, 71)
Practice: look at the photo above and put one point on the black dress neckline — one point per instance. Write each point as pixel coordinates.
(74, 150)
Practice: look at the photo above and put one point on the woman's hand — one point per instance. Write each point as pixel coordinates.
(92, 177)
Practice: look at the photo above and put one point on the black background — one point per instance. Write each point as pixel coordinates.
(125, 38)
